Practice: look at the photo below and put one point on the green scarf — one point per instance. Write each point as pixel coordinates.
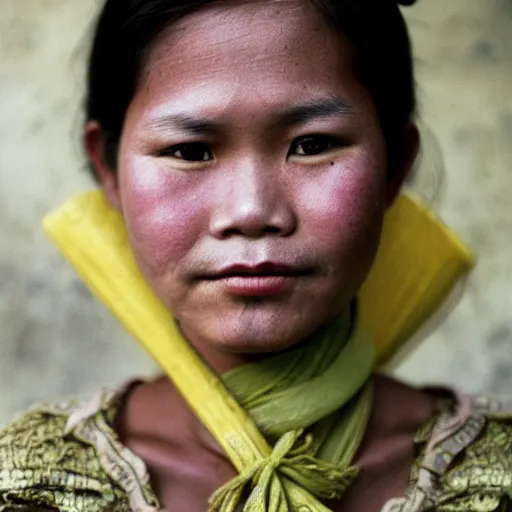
(312, 403)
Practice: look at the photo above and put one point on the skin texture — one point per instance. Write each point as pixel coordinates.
(255, 201)
(186, 464)
(289, 167)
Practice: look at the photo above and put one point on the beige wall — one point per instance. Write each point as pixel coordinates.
(56, 340)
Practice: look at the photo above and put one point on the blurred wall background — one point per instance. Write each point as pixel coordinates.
(55, 340)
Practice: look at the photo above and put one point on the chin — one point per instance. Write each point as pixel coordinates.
(253, 346)
(219, 328)
(258, 334)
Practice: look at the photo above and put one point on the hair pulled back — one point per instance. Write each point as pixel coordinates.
(375, 29)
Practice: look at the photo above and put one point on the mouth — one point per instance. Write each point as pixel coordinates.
(258, 280)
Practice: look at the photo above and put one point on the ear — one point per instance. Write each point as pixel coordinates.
(405, 161)
(94, 144)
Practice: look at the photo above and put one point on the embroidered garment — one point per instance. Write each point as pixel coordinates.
(67, 458)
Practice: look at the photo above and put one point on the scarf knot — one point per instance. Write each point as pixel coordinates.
(266, 481)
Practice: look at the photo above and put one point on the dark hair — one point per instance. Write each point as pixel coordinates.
(375, 29)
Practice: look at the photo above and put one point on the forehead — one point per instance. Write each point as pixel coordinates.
(268, 23)
(262, 51)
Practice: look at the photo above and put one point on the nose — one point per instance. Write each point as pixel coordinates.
(252, 202)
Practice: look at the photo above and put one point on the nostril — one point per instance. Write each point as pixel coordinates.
(251, 231)
(226, 233)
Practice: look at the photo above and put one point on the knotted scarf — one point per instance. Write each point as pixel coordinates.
(312, 403)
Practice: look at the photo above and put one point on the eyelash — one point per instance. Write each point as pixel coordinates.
(321, 144)
(328, 142)
(197, 146)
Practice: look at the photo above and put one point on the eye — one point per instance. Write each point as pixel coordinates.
(313, 145)
(189, 152)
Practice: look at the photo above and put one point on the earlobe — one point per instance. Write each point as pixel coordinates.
(405, 162)
(94, 144)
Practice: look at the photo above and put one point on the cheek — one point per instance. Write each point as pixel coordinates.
(346, 206)
(163, 214)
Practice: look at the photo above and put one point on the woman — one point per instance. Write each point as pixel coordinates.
(252, 149)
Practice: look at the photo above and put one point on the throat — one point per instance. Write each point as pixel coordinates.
(225, 361)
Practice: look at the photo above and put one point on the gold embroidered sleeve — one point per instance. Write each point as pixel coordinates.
(465, 460)
(43, 468)
(481, 478)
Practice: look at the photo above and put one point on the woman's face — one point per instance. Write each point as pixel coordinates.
(252, 175)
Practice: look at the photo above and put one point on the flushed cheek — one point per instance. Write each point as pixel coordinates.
(163, 214)
(345, 206)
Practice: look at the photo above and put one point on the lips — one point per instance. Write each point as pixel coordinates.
(259, 270)
(263, 279)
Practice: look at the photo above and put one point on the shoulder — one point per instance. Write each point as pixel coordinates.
(466, 460)
(45, 462)
(478, 475)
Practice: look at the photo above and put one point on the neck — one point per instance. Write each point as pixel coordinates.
(155, 410)
(222, 361)
(321, 386)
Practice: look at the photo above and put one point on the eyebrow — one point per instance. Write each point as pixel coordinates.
(317, 109)
(183, 122)
(287, 118)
